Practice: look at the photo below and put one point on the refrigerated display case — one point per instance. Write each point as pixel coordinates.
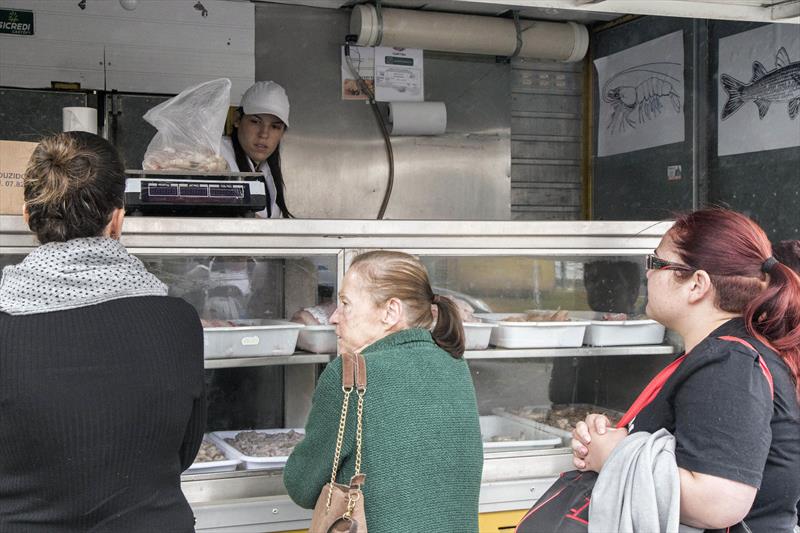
(239, 270)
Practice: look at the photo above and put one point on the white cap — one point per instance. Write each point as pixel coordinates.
(266, 97)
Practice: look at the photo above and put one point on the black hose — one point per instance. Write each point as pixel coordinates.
(384, 131)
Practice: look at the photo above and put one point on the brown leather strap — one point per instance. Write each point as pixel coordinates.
(348, 370)
(361, 372)
(344, 525)
(357, 480)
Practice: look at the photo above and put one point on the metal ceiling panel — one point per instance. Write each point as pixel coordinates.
(587, 11)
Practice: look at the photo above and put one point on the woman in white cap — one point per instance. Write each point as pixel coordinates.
(254, 144)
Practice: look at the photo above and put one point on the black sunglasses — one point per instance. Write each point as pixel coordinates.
(656, 263)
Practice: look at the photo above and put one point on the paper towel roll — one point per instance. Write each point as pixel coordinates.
(417, 118)
(80, 119)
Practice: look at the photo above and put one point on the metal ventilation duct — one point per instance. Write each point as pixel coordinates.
(470, 34)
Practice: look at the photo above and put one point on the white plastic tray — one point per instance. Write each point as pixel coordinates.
(534, 334)
(317, 339)
(564, 433)
(530, 436)
(624, 333)
(207, 467)
(620, 332)
(250, 462)
(477, 334)
(251, 338)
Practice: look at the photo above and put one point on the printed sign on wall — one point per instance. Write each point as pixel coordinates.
(361, 64)
(641, 96)
(398, 74)
(758, 90)
(16, 21)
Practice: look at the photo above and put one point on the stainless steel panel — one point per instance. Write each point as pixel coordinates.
(546, 140)
(544, 125)
(542, 77)
(282, 237)
(542, 102)
(526, 212)
(555, 172)
(296, 359)
(232, 485)
(257, 515)
(547, 149)
(558, 194)
(334, 159)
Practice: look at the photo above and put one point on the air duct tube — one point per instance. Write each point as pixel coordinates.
(469, 34)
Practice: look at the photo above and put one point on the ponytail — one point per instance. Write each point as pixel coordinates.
(738, 257)
(773, 317)
(448, 333)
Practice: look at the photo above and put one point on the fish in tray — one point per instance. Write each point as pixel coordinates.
(257, 444)
(564, 416)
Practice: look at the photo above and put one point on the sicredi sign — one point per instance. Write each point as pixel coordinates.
(16, 21)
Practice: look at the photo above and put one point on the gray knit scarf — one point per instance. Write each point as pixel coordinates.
(77, 273)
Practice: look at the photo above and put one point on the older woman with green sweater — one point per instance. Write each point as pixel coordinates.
(422, 451)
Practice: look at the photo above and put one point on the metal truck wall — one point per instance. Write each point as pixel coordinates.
(634, 186)
(333, 155)
(546, 132)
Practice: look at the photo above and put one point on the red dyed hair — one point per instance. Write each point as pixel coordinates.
(731, 248)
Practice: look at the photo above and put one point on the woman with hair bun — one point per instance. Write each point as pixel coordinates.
(731, 400)
(102, 403)
(422, 449)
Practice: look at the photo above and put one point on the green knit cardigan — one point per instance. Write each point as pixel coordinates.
(422, 451)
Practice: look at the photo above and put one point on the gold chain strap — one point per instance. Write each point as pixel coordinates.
(339, 439)
(351, 498)
(358, 429)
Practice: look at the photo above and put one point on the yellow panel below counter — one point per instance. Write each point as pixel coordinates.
(501, 522)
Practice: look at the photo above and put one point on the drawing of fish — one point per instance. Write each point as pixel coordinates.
(779, 85)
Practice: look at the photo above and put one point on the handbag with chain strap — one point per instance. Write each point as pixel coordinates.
(340, 508)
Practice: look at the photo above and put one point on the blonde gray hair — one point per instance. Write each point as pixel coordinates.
(389, 274)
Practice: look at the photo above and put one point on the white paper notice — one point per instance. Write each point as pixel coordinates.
(758, 90)
(641, 96)
(362, 59)
(398, 74)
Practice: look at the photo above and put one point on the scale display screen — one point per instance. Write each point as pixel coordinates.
(234, 192)
(194, 197)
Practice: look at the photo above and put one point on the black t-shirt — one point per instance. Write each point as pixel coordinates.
(717, 404)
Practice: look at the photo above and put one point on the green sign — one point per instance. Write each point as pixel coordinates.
(405, 61)
(16, 21)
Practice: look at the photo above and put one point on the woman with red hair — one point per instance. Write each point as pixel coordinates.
(731, 400)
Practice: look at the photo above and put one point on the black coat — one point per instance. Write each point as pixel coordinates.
(101, 409)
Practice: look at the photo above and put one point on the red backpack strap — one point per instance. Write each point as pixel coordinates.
(761, 362)
(650, 391)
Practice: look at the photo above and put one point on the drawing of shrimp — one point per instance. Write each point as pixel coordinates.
(642, 89)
